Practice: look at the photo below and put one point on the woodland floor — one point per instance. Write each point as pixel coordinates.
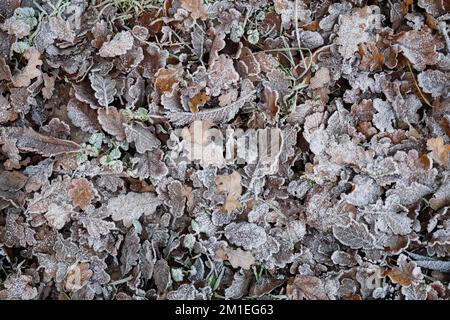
(103, 194)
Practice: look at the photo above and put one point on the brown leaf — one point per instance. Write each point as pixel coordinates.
(199, 100)
(238, 258)
(78, 276)
(166, 78)
(309, 287)
(31, 71)
(29, 140)
(439, 150)
(419, 47)
(49, 86)
(231, 186)
(406, 274)
(112, 122)
(81, 192)
(196, 8)
(82, 116)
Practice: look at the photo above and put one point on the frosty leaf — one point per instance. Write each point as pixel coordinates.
(296, 230)
(365, 191)
(17, 233)
(150, 164)
(167, 78)
(357, 28)
(320, 79)
(177, 194)
(161, 275)
(144, 140)
(131, 206)
(441, 197)
(270, 145)
(104, 87)
(247, 235)
(29, 140)
(57, 216)
(130, 249)
(17, 287)
(419, 47)
(239, 286)
(12, 180)
(119, 45)
(82, 116)
(231, 186)
(434, 82)
(385, 115)
(21, 23)
(147, 260)
(223, 114)
(396, 223)
(20, 47)
(23, 78)
(415, 292)
(95, 224)
(49, 86)
(112, 121)
(81, 192)
(221, 75)
(38, 175)
(355, 235)
(184, 292)
(62, 29)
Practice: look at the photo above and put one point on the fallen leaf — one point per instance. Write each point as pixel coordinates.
(119, 45)
(31, 71)
(238, 258)
(196, 8)
(81, 192)
(231, 186)
(419, 47)
(112, 121)
(439, 150)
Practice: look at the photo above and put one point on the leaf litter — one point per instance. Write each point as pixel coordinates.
(321, 170)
